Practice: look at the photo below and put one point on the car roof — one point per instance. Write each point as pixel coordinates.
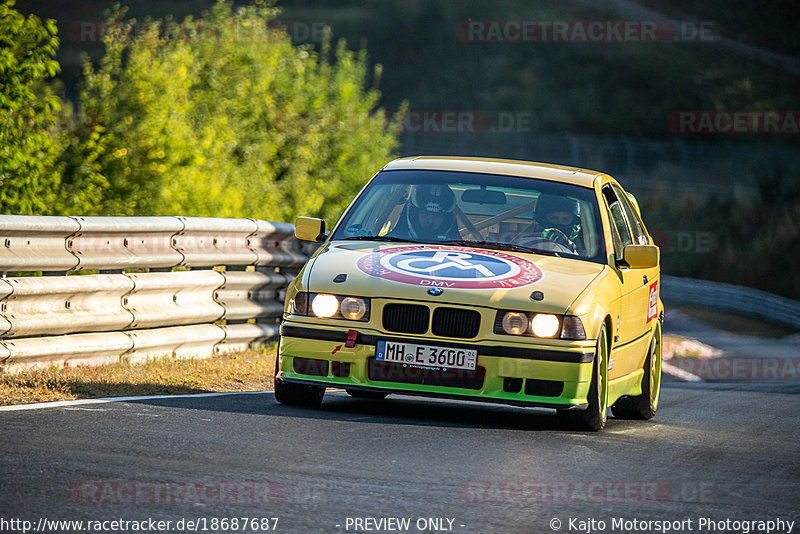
(508, 167)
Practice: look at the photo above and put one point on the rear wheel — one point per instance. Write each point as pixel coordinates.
(644, 405)
(362, 394)
(594, 416)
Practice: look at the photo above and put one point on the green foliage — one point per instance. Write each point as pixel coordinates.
(223, 116)
(28, 110)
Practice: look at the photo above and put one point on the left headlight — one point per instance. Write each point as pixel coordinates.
(544, 325)
(329, 306)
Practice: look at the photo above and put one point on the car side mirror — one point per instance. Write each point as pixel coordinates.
(641, 256)
(310, 229)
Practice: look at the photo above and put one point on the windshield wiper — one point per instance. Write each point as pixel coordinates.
(388, 238)
(500, 246)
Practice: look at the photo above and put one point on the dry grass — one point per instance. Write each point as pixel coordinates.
(250, 370)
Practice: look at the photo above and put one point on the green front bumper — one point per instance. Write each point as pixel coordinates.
(522, 374)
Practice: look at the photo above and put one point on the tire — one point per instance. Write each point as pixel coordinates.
(644, 405)
(361, 394)
(298, 394)
(594, 416)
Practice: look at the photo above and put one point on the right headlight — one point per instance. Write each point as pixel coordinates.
(327, 306)
(323, 305)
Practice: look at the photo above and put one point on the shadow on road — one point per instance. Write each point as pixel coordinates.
(394, 410)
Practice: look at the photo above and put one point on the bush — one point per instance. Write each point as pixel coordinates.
(223, 116)
(28, 112)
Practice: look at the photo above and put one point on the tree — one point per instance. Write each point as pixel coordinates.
(223, 116)
(28, 112)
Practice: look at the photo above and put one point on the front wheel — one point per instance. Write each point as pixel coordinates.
(594, 416)
(644, 405)
(298, 394)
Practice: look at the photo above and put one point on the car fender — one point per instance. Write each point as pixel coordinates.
(598, 300)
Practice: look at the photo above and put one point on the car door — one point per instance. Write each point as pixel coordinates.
(646, 305)
(630, 327)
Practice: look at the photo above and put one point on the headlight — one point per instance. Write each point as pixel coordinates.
(515, 323)
(531, 324)
(324, 305)
(328, 306)
(353, 308)
(544, 325)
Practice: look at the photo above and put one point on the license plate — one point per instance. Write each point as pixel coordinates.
(428, 355)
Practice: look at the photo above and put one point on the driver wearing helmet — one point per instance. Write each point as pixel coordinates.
(556, 219)
(429, 214)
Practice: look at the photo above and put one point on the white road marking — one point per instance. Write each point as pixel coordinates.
(79, 402)
(677, 372)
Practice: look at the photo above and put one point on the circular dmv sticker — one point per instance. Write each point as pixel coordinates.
(450, 267)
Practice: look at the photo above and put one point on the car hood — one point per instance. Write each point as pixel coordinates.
(464, 275)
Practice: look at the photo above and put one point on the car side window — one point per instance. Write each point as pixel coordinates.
(619, 228)
(639, 233)
(380, 212)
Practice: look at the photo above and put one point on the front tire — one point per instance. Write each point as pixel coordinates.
(298, 394)
(644, 405)
(594, 416)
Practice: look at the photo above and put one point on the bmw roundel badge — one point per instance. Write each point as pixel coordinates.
(435, 291)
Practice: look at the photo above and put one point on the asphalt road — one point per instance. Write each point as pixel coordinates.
(716, 451)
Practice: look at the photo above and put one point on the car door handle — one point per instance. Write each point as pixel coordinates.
(645, 279)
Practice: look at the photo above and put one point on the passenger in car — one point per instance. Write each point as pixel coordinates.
(556, 219)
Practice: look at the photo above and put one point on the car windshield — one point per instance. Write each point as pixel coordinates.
(478, 210)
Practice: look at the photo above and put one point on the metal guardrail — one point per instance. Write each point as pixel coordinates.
(731, 298)
(60, 244)
(94, 318)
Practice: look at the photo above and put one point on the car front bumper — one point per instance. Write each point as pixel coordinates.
(529, 373)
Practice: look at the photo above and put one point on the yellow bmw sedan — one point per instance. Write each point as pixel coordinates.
(485, 280)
